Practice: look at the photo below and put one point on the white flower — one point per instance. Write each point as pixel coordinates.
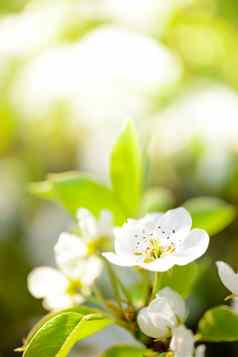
(67, 286)
(182, 343)
(157, 242)
(164, 313)
(90, 228)
(95, 234)
(69, 251)
(228, 277)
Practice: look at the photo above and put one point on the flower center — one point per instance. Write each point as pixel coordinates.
(97, 245)
(153, 245)
(73, 287)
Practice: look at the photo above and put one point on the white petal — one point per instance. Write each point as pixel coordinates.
(175, 301)
(61, 301)
(105, 224)
(69, 250)
(182, 343)
(89, 270)
(147, 326)
(228, 277)
(127, 236)
(87, 223)
(161, 264)
(161, 312)
(193, 247)
(150, 220)
(121, 260)
(44, 281)
(200, 351)
(177, 222)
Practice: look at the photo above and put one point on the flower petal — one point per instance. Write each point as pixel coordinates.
(87, 223)
(148, 327)
(61, 301)
(228, 277)
(89, 270)
(44, 281)
(161, 312)
(175, 301)
(121, 260)
(105, 224)
(132, 233)
(69, 250)
(127, 237)
(161, 264)
(182, 343)
(193, 247)
(177, 222)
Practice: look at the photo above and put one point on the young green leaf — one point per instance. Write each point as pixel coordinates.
(211, 214)
(74, 191)
(59, 334)
(82, 310)
(126, 170)
(219, 324)
(125, 351)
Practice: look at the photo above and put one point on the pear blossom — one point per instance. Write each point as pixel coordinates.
(163, 314)
(182, 343)
(228, 277)
(68, 285)
(157, 242)
(96, 234)
(90, 228)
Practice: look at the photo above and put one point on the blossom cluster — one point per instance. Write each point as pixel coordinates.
(155, 243)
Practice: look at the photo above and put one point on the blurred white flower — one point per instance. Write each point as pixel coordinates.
(110, 75)
(23, 34)
(182, 343)
(69, 251)
(142, 15)
(90, 228)
(165, 312)
(71, 283)
(107, 76)
(209, 112)
(157, 242)
(59, 290)
(228, 277)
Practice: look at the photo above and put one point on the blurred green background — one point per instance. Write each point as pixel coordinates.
(71, 73)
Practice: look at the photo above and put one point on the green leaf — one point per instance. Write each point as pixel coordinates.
(75, 190)
(126, 170)
(219, 324)
(125, 351)
(59, 334)
(211, 214)
(82, 310)
(183, 278)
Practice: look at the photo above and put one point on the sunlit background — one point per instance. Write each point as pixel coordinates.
(71, 73)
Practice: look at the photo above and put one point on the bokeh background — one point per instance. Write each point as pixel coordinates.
(71, 73)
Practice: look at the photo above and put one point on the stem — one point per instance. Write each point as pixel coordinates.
(155, 285)
(114, 283)
(125, 292)
(99, 298)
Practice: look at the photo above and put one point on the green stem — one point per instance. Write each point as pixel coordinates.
(125, 292)
(99, 298)
(155, 285)
(114, 283)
